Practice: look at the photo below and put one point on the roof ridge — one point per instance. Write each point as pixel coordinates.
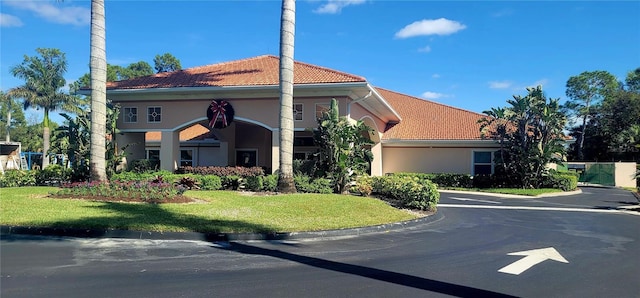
(431, 101)
(331, 70)
(229, 62)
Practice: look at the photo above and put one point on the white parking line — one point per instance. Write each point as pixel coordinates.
(537, 208)
(475, 200)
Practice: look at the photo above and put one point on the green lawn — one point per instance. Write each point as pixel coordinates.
(513, 191)
(218, 211)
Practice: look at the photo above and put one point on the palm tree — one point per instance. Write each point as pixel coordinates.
(43, 77)
(287, 32)
(98, 91)
(6, 99)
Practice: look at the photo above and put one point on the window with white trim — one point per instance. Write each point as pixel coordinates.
(482, 162)
(130, 114)
(297, 111)
(154, 114)
(186, 158)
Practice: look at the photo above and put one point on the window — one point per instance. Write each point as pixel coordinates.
(321, 109)
(154, 114)
(297, 111)
(482, 163)
(186, 158)
(130, 115)
(153, 154)
(247, 158)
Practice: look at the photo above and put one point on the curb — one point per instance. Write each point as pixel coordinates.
(214, 237)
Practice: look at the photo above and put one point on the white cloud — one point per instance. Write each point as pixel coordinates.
(502, 13)
(500, 84)
(55, 12)
(542, 82)
(7, 20)
(435, 75)
(426, 49)
(335, 6)
(440, 26)
(433, 95)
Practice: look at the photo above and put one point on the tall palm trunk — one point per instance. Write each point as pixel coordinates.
(98, 91)
(46, 139)
(287, 32)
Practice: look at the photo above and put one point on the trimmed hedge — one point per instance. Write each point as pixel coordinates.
(442, 179)
(222, 171)
(411, 192)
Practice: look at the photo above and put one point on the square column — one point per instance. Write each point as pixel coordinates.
(275, 150)
(169, 150)
(376, 164)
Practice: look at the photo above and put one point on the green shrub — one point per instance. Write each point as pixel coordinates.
(254, 183)
(144, 165)
(306, 184)
(441, 179)
(561, 180)
(222, 171)
(233, 182)
(363, 186)
(411, 192)
(210, 182)
(16, 178)
(304, 167)
(270, 183)
(53, 175)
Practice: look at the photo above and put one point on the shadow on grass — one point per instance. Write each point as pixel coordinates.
(147, 220)
(368, 272)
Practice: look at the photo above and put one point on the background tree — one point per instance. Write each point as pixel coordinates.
(287, 32)
(345, 149)
(633, 81)
(166, 63)
(585, 92)
(44, 78)
(530, 130)
(98, 69)
(134, 70)
(11, 115)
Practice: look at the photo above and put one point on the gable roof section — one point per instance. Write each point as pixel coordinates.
(196, 132)
(426, 120)
(256, 71)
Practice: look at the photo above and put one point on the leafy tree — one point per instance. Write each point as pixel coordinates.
(98, 69)
(287, 31)
(585, 92)
(44, 77)
(11, 116)
(166, 63)
(345, 148)
(134, 70)
(531, 136)
(633, 80)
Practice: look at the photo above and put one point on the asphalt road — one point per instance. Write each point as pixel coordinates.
(467, 252)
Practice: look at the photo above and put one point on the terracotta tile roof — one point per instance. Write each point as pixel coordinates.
(192, 133)
(261, 70)
(427, 120)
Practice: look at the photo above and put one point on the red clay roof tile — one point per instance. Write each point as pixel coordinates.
(426, 120)
(261, 70)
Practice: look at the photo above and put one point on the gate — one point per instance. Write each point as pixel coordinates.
(603, 174)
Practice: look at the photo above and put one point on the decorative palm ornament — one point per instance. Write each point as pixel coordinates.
(220, 114)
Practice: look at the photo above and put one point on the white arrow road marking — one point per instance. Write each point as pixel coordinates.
(467, 199)
(532, 257)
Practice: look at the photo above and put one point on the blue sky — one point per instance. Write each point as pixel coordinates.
(472, 55)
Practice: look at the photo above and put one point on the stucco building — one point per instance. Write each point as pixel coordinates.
(227, 114)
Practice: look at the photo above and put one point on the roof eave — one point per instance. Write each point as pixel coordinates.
(439, 143)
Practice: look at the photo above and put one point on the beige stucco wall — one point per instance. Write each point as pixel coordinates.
(178, 113)
(427, 160)
(624, 174)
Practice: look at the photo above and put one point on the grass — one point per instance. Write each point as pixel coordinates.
(218, 211)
